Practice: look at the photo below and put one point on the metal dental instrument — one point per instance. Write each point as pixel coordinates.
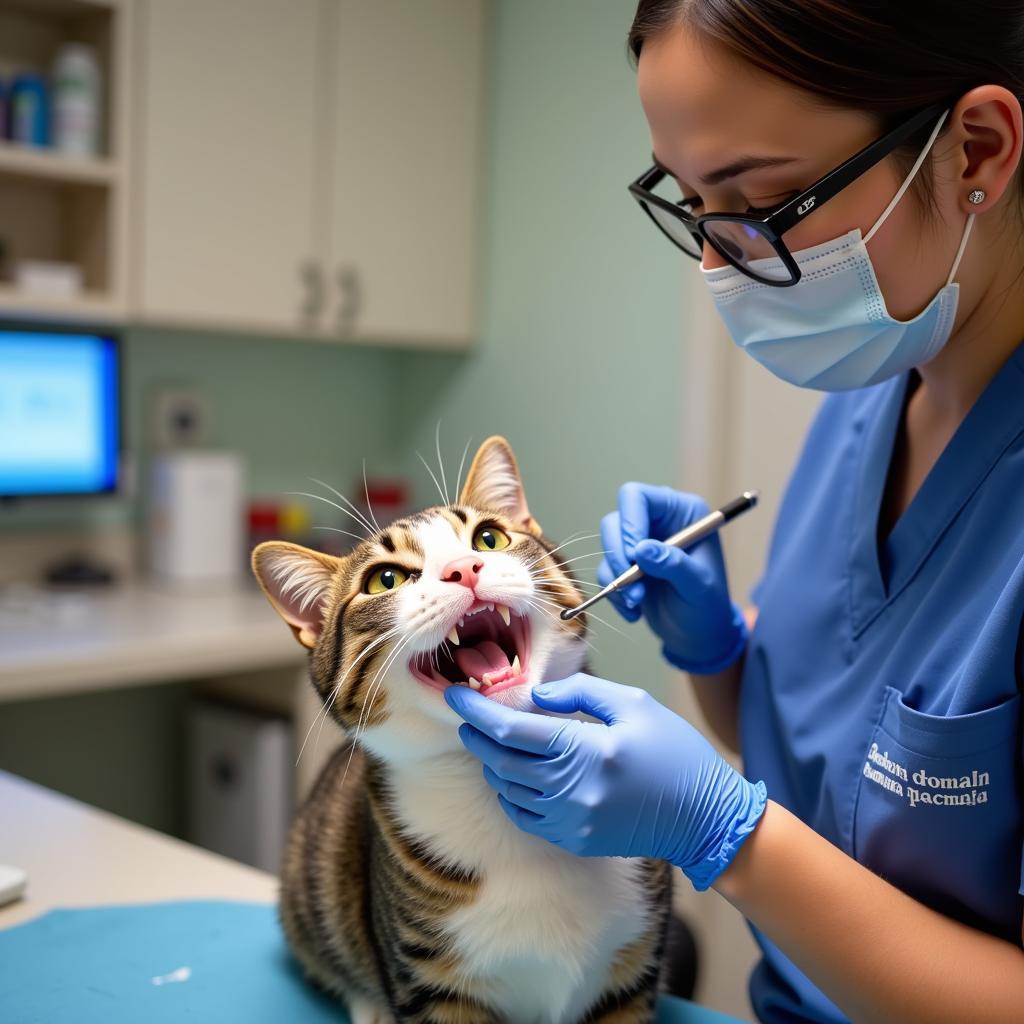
(685, 538)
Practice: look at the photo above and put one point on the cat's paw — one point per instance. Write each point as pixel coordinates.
(362, 1012)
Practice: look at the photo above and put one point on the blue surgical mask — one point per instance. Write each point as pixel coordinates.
(831, 330)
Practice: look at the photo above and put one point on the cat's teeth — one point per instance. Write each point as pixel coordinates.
(475, 683)
(515, 666)
(490, 606)
(502, 610)
(461, 621)
(453, 635)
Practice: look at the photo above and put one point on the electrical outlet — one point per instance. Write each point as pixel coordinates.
(180, 418)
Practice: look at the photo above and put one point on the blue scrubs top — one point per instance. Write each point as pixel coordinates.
(880, 698)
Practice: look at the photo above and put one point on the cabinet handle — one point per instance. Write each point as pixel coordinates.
(350, 295)
(311, 274)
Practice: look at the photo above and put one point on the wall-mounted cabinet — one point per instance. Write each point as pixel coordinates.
(226, 130)
(404, 181)
(310, 166)
(287, 167)
(63, 210)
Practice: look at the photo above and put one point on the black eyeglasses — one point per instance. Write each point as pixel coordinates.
(742, 239)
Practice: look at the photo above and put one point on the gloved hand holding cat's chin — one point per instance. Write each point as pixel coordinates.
(685, 595)
(640, 782)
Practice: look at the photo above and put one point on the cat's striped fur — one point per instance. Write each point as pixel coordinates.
(406, 891)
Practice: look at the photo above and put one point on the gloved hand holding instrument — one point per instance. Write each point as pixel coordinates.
(640, 781)
(685, 596)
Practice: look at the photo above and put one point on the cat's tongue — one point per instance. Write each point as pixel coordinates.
(486, 657)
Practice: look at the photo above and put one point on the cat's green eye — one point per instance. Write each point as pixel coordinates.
(390, 577)
(490, 538)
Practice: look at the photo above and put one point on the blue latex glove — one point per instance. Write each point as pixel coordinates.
(684, 596)
(641, 782)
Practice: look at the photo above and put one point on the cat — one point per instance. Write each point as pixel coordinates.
(406, 892)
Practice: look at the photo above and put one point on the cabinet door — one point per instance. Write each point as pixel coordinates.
(227, 122)
(405, 169)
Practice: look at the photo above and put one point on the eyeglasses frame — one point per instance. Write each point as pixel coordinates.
(776, 223)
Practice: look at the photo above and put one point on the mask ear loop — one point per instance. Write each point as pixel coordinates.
(960, 251)
(909, 178)
(906, 184)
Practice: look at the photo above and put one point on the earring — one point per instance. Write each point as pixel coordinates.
(977, 196)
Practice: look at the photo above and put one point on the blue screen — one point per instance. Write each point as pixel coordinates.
(59, 417)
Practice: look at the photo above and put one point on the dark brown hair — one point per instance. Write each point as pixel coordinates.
(885, 57)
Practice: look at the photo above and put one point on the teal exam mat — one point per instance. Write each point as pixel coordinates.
(195, 961)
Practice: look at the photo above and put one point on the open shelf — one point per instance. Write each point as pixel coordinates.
(56, 206)
(84, 306)
(26, 162)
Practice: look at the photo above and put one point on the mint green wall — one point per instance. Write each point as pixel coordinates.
(580, 362)
(294, 409)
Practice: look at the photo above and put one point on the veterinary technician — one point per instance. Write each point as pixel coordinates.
(848, 175)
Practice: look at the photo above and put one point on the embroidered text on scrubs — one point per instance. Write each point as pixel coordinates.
(883, 761)
(972, 788)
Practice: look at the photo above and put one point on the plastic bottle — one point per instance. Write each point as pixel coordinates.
(29, 110)
(76, 100)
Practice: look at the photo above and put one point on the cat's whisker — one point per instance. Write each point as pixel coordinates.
(462, 462)
(545, 575)
(368, 701)
(551, 604)
(575, 583)
(324, 711)
(327, 501)
(604, 622)
(376, 683)
(369, 505)
(410, 633)
(542, 611)
(571, 540)
(386, 635)
(576, 558)
(440, 461)
(610, 625)
(432, 477)
(334, 529)
(540, 558)
(337, 688)
(355, 508)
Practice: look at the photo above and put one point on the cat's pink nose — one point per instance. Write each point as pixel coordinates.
(463, 570)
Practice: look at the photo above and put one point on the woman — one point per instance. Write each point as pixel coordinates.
(865, 158)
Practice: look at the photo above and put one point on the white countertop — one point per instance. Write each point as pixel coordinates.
(78, 856)
(55, 643)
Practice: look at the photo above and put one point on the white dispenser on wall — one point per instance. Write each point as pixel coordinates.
(195, 527)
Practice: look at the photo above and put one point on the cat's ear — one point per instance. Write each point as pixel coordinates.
(297, 582)
(493, 482)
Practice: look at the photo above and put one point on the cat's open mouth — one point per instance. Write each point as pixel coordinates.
(488, 649)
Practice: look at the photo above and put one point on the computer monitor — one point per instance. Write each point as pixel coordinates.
(60, 429)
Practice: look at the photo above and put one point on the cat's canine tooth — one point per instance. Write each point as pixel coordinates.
(475, 683)
(453, 635)
(502, 610)
(490, 606)
(515, 665)
(461, 621)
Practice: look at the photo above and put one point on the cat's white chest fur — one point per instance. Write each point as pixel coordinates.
(545, 927)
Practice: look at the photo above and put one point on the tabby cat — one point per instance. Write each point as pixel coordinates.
(406, 891)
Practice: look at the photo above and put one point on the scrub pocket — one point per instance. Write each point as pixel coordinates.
(938, 810)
